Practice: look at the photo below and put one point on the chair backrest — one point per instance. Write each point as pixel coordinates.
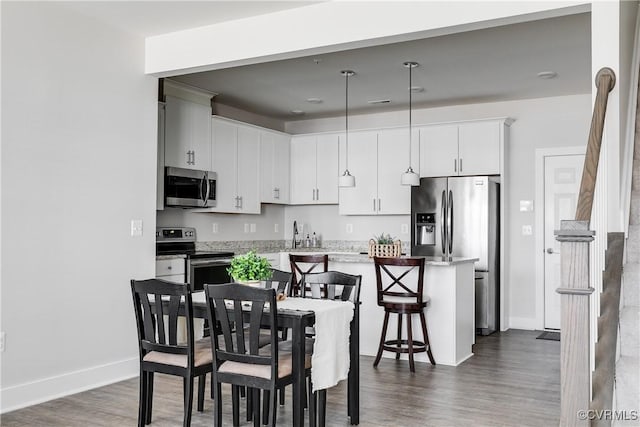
(303, 264)
(280, 280)
(392, 282)
(241, 311)
(157, 306)
(332, 285)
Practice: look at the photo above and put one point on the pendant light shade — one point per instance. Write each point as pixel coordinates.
(410, 177)
(346, 180)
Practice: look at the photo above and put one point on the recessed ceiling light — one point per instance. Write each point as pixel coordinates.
(417, 89)
(546, 75)
(297, 112)
(379, 101)
(314, 100)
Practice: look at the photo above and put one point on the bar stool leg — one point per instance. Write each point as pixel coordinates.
(423, 320)
(412, 365)
(399, 336)
(382, 338)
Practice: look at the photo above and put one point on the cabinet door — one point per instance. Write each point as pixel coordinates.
(479, 148)
(303, 169)
(281, 168)
(248, 169)
(363, 158)
(393, 197)
(177, 150)
(200, 119)
(327, 169)
(439, 150)
(275, 166)
(223, 159)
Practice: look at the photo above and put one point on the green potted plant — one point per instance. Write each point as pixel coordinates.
(249, 268)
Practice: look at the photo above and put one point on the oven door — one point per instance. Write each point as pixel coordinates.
(201, 271)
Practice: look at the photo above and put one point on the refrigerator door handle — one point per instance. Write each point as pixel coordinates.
(450, 222)
(443, 222)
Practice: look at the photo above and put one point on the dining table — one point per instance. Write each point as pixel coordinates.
(297, 321)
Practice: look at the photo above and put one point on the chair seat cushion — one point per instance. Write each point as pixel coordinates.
(262, 371)
(202, 355)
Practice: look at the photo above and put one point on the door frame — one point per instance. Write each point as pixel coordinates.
(541, 153)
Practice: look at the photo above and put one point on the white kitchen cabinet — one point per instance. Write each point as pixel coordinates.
(187, 134)
(236, 160)
(461, 149)
(171, 270)
(314, 169)
(275, 153)
(377, 159)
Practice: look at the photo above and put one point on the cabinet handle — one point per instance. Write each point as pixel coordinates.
(317, 194)
(193, 157)
(455, 165)
(460, 164)
(240, 202)
(237, 202)
(374, 205)
(313, 190)
(379, 205)
(276, 193)
(189, 157)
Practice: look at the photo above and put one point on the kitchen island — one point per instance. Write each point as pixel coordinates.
(450, 314)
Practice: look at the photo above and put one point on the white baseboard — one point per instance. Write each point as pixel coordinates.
(526, 323)
(32, 393)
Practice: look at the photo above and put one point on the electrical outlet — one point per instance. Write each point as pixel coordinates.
(252, 228)
(404, 228)
(527, 230)
(276, 227)
(136, 228)
(2, 341)
(214, 227)
(349, 228)
(246, 228)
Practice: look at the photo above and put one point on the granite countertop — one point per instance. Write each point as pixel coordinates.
(436, 261)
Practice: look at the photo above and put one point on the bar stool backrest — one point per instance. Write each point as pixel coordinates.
(393, 283)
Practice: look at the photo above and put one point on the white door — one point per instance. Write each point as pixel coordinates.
(562, 176)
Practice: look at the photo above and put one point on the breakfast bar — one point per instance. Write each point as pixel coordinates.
(449, 284)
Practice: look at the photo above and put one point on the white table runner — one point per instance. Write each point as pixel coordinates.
(330, 359)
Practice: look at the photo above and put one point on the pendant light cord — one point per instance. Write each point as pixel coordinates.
(410, 134)
(346, 120)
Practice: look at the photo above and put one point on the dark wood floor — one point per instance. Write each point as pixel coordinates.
(513, 380)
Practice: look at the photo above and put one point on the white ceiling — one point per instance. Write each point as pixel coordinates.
(485, 65)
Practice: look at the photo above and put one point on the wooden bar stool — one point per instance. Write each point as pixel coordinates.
(303, 264)
(399, 297)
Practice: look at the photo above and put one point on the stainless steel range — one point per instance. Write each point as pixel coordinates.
(200, 266)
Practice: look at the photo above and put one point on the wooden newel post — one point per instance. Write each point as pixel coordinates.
(575, 237)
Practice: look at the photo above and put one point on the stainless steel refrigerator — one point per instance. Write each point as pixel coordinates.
(459, 217)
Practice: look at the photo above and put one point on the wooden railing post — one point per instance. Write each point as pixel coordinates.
(575, 387)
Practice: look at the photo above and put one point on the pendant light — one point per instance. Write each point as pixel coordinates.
(410, 177)
(346, 180)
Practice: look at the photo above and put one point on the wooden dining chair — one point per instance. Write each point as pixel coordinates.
(159, 350)
(333, 285)
(303, 264)
(238, 359)
(280, 281)
(399, 295)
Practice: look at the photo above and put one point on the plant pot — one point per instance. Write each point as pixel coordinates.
(252, 283)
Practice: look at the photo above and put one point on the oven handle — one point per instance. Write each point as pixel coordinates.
(209, 262)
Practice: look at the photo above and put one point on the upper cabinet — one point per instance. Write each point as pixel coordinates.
(461, 149)
(314, 169)
(187, 134)
(275, 152)
(377, 159)
(236, 160)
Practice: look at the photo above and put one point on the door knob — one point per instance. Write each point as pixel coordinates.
(550, 251)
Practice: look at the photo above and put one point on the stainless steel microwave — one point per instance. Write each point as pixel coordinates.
(189, 188)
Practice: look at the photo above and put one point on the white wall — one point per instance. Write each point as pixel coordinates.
(78, 163)
(546, 122)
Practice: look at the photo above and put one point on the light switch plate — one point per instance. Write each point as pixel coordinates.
(276, 227)
(246, 228)
(252, 228)
(214, 227)
(526, 205)
(404, 229)
(349, 228)
(3, 337)
(136, 228)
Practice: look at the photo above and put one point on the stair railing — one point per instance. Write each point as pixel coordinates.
(575, 292)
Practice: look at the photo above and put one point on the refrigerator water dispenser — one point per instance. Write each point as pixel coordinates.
(426, 228)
